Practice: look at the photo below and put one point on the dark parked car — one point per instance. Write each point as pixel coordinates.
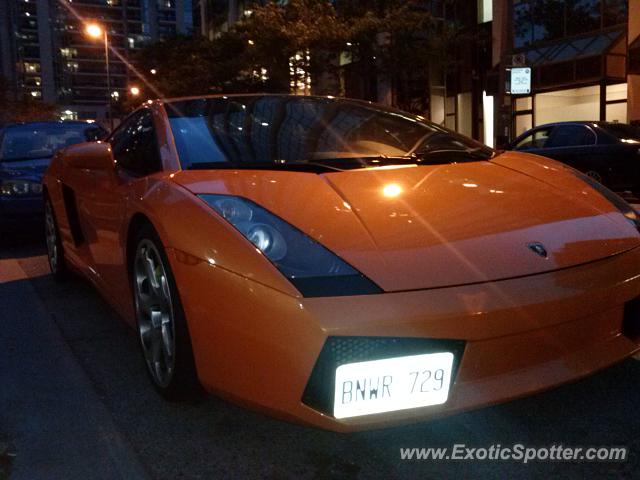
(607, 152)
(25, 152)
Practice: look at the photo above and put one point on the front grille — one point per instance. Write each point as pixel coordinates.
(319, 392)
(631, 319)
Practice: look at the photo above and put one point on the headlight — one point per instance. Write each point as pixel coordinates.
(15, 188)
(313, 270)
(627, 210)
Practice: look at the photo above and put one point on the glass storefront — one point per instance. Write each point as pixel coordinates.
(564, 105)
(616, 103)
(582, 103)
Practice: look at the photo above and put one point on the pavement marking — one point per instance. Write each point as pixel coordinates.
(10, 271)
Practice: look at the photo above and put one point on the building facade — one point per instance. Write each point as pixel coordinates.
(446, 89)
(45, 53)
(584, 57)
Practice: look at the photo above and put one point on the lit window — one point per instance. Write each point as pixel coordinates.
(31, 67)
(485, 11)
(68, 52)
(299, 75)
(36, 93)
(69, 115)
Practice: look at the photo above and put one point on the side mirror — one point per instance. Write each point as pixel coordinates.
(89, 156)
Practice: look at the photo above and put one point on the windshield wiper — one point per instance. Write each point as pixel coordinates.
(313, 167)
(339, 164)
(452, 155)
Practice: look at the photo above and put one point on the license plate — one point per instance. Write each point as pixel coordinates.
(392, 384)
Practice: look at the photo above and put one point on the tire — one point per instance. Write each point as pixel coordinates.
(55, 253)
(162, 327)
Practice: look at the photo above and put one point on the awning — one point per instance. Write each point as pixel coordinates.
(572, 49)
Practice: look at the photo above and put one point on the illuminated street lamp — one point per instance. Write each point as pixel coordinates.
(135, 91)
(95, 31)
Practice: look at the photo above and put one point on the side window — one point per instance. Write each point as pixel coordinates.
(536, 139)
(572, 136)
(135, 146)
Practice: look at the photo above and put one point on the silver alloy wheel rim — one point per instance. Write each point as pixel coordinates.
(154, 311)
(595, 175)
(51, 237)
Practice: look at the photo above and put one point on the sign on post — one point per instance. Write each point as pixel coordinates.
(520, 81)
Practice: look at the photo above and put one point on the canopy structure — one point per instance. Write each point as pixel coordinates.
(578, 60)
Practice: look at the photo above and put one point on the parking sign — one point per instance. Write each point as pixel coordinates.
(520, 81)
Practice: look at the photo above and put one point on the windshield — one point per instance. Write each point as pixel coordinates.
(622, 131)
(31, 141)
(277, 130)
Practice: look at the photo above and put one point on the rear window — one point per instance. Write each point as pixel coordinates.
(23, 142)
(622, 131)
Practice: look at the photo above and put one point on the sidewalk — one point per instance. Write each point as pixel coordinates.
(54, 420)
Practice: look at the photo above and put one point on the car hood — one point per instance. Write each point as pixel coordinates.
(418, 227)
(32, 169)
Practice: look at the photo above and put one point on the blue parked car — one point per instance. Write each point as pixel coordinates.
(25, 152)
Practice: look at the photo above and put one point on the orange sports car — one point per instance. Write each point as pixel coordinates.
(343, 264)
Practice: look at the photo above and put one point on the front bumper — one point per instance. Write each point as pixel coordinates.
(258, 346)
(18, 213)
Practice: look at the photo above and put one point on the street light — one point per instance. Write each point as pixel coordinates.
(93, 30)
(135, 91)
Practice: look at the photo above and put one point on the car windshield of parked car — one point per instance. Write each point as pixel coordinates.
(281, 130)
(625, 133)
(31, 141)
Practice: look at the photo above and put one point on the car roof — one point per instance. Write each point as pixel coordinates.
(51, 122)
(232, 95)
(591, 123)
(167, 101)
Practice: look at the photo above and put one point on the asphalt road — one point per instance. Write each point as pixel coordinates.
(213, 439)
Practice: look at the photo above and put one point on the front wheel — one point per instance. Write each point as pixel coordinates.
(162, 328)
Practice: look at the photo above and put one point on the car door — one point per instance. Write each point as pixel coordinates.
(619, 161)
(572, 144)
(102, 198)
(136, 154)
(533, 141)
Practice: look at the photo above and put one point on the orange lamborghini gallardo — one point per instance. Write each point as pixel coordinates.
(343, 264)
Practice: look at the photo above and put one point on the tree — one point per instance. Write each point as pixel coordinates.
(252, 56)
(277, 34)
(392, 39)
(26, 109)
